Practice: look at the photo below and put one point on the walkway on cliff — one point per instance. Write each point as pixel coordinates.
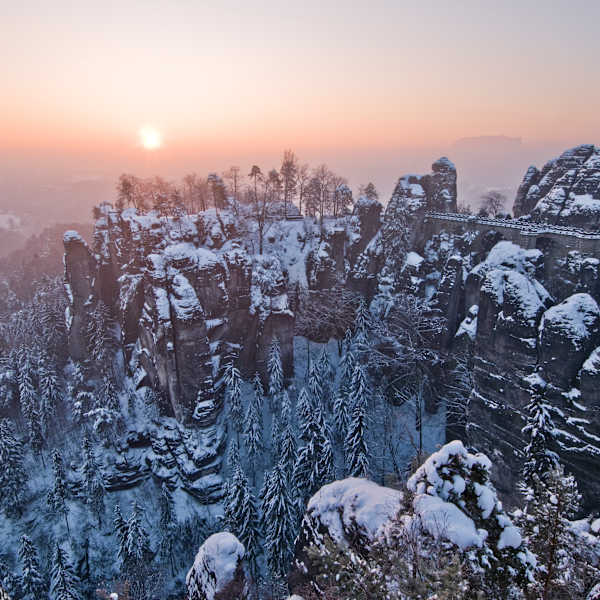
(523, 227)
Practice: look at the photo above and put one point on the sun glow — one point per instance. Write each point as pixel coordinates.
(150, 138)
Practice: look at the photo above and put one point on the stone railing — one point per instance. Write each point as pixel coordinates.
(525, 233)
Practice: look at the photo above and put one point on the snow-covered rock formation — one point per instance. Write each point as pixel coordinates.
(185, 294)
(565, 192)
(219, 571)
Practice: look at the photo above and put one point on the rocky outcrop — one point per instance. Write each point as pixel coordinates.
(187, 297)
(219, 571)
(80, 271)
(565, 192)
(568, 333)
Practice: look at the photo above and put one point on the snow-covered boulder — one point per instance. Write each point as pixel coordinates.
(218, 572)
(567, 334)
(351, 511)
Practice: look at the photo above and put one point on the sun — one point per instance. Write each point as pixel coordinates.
(150, 138)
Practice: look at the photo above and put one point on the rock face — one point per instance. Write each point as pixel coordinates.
(186, 296)
(219, 571)
(565, 192)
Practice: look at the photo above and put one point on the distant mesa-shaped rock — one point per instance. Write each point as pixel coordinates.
(565, 192)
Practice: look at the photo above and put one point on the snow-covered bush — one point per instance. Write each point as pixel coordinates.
(455, 500)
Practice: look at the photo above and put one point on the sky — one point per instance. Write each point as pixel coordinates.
(375, 89)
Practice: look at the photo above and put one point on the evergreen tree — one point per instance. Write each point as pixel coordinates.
(121, 531)
(32, 582)
(233, 383)
(80, 393)
(93, 487)
(287, 448)
(539, 459)
(100, 340)
(279, 517)
(357, 454)
(50, 393)
(554, 503)
(326, 374)
(254, 424)
(342, 404)
(286, 408)
(276, 433)
(65, 584)
(57, 497)
(12, 473)
(359, 389)
(314, 465)
(362, 324)
(29, 402)
(315, 383)
(241, 516)
(233, 455)
(109, 397)
(275, 370)
(304, 409)
(138, 544)
(9, 582)
(167, 525)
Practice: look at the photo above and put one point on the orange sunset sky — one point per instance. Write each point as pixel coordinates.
(373, 88)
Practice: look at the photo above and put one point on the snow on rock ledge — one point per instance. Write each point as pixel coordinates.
(568, 332)
(351, 509)
(218, 571)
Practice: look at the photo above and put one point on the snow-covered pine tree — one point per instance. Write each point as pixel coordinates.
(314, 465)
(81, 395)
(254, 425)
(100, 341)
(12, 473)
(92, 484)
(356, 450)
(554, 503)
(29, 401)
(315, 383)
(138, 543)
(50, 393)
(9, 582)
(359, 388)
(362, 325)
(32, 580)
(109, 397)
(65, 584)
(276, 439)
(233, 384)
(275, 370)
(287, 448)
(304, 410)
(57, 497)
(286, 408)
(326, 375)
(241, 516)
(167, 524)
(137, 566)
(539, 459)
(342, 405)
(121, 532)
(279, 518)
(233, 455)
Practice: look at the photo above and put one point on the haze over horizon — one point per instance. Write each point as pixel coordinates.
(374, 91)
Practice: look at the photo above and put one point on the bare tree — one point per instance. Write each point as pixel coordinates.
(302, 183)
(289, 176)
(323, 314)
(492, 202)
